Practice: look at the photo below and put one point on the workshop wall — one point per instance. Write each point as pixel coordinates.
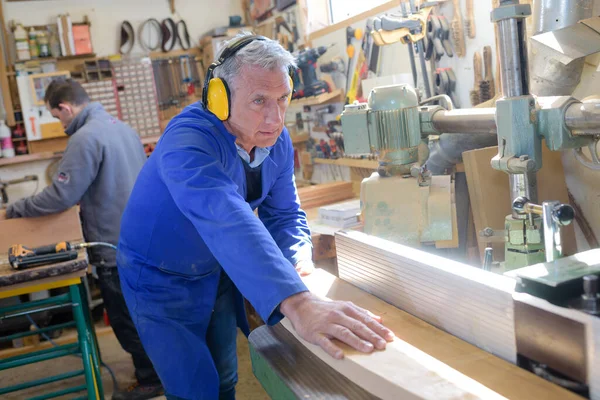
(106, 16)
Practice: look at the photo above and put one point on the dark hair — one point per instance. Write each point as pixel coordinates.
(65, 91)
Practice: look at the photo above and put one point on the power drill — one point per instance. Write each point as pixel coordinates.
(306, 61)
(21, 257)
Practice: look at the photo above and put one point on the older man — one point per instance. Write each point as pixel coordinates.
(190, 242)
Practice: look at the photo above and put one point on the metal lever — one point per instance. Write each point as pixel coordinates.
(554, 215)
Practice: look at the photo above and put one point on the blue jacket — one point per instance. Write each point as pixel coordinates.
(186, 219)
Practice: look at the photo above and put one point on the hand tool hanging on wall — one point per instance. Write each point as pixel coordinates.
(411, 52)
(409, 30)
(458, 33)
(489, 76)
(352, 34)
(127, 38)
(438, 38)
(306, 61)
(445, 83)
(470, 20)
(477, 78)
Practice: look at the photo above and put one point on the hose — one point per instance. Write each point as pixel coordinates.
(95, 244)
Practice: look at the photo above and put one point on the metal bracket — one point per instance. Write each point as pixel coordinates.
(493, 236)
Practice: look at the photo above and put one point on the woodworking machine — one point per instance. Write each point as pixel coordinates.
(552, 326)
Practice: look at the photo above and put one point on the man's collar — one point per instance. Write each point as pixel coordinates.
(81, 118)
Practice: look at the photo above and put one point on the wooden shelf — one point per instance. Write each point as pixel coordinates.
(61, 58)
(333, 97)
(349, 162)
(29, 158)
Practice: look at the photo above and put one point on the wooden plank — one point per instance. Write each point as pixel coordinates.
(288, 372)
(353, 20)
(489, 193)
(54, 145)
(328, 193)
(40, 231)
(325, 98)
(6, 95)
(323, 247)
(349, 162)
(424, 362)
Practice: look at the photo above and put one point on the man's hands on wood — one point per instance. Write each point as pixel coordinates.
(318, 321)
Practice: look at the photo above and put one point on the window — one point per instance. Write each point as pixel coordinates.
(340, 10)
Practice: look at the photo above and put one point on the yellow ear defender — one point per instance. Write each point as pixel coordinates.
(216, 96)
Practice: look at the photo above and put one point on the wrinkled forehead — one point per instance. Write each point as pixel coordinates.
(253, 78)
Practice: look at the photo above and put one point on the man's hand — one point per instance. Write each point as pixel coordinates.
(318, 321)
(2, 214)
(305, 267)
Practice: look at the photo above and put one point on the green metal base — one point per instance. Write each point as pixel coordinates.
(86, 348)
(275, 387)
(524, 243)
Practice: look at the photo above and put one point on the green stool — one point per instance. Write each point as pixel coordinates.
(86, 346)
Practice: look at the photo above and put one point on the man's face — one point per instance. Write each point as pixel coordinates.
(258, 105)
(65, 113)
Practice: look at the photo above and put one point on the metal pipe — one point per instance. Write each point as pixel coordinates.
(510, 63)
(445, 97)
(473, 120)
(584, 118)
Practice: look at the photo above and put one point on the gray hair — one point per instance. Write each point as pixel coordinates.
(267, 54)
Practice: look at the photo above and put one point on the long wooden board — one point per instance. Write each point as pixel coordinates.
(424, 362)
(327, 193)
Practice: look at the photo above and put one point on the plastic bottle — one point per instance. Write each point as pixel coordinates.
(42, 40)
(4, 130)
(8, 150)
(21, 43)
(33, 46)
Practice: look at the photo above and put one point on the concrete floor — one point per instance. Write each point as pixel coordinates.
(248, 387)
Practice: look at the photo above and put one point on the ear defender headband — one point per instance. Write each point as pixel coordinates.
(216, 96)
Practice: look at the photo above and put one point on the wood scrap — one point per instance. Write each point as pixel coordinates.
(458, 33)
(328, 193)
(424, 362)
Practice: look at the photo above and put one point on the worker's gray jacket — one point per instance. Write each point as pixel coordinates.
(98, 169)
